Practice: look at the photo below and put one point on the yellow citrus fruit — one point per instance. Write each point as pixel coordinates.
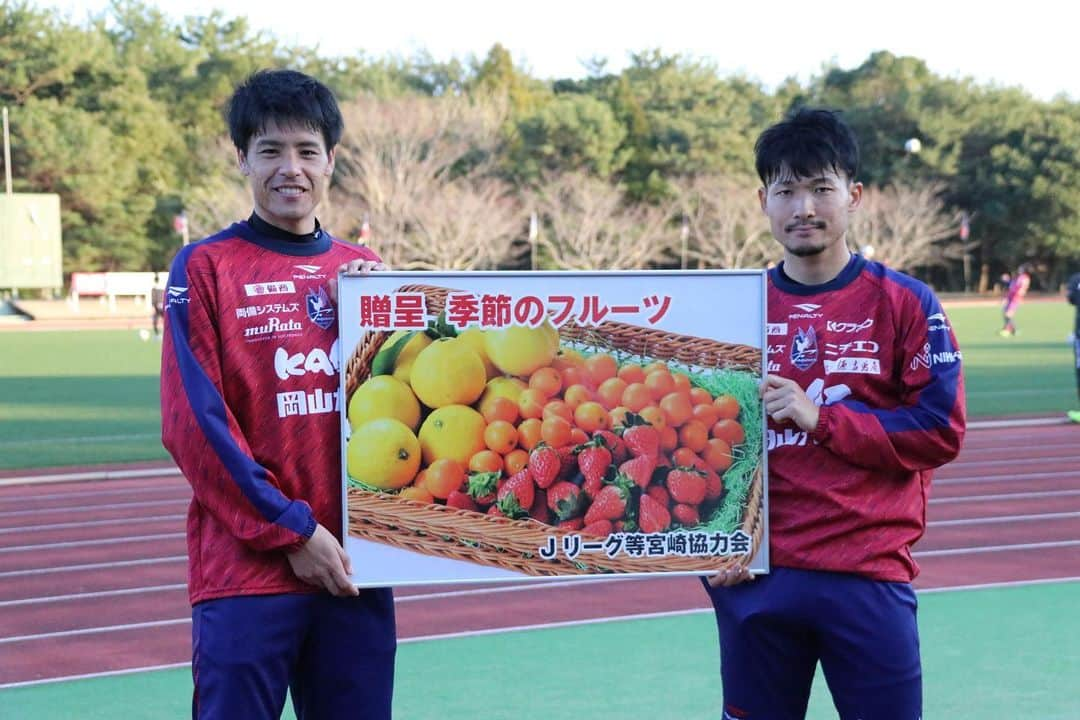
(504, 387)
(383, 396)
(405, 359)
(383, 453)
(455, 432)
(519, 350)
(448, 372)
(474, 338)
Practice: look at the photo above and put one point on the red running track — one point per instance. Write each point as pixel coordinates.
(92, 573)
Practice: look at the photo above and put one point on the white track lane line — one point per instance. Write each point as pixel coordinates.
(528, 628)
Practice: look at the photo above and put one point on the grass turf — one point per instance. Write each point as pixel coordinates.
(983, 650)
(89, 397)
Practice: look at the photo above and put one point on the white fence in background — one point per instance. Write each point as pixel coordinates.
(108, 286)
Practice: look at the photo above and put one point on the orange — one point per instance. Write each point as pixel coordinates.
(578, 436)
(632, 373)
(677, 408)
(601, 367)
(576, 395)
(729, 431)
(694, 435)
(636, 396)
(618, 415)
(501, 437)
(660, 383)
(655, 365)
(444, 476)
(418, 494)
(555, 431)
(685, 457)
(700, 396)
(547, 380)
(558, 408)
(717, 455)
(531, 403)
(728, 407)
(575, 376)
(500, 408)
(515, 461)
(567, 358)
(682, 382)
(707, 414)
(654, 416)
(591, 416)
(529, 433)
(611, 391)
(486, 461)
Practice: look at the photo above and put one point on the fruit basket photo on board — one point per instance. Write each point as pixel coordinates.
(436, 529)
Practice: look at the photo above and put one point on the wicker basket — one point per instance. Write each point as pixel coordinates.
(495, 541)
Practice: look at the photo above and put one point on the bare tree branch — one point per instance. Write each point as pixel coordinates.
(725, 225)
(906, 227)
(586, 225)
(421, 171)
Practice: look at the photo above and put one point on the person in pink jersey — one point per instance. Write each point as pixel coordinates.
(250, 413)
(864, 398)
(1014, 294)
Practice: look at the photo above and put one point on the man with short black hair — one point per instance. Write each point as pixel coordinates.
(250, 413)
(866, 398)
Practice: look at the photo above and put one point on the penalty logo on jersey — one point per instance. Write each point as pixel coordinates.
(804, 348)
(319, 308)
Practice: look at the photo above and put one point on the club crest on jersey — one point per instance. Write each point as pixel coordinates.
(319, 308)
(804, 348)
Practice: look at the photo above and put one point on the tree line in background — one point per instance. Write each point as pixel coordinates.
(478, 164)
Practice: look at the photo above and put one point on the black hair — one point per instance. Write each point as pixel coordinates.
(807, 142)
(285, 98)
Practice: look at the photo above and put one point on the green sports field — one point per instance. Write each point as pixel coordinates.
(88, 397)
(986, 654)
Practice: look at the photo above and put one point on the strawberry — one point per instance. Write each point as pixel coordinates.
(615, 444)
(609, 504)
(539, 510)
(652, 516)
(461, 500)
(544, 464)
(494, 510)
(660, 494)
(714, 484)
(591, 487)
(516, 495)
(642, 440)
(564, 499)
(572, 524)
(568, 460)
(639, 469)
(686, 486)
(482, 487)
(685, 514)
(599, 528)
(594, 460)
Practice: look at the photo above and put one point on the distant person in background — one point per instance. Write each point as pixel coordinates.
(1072, 292)
(157, 299)
(1016, 291)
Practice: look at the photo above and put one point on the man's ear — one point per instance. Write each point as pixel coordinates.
(242, 163)
(762, 196)
(855, 192)
(330, 165)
